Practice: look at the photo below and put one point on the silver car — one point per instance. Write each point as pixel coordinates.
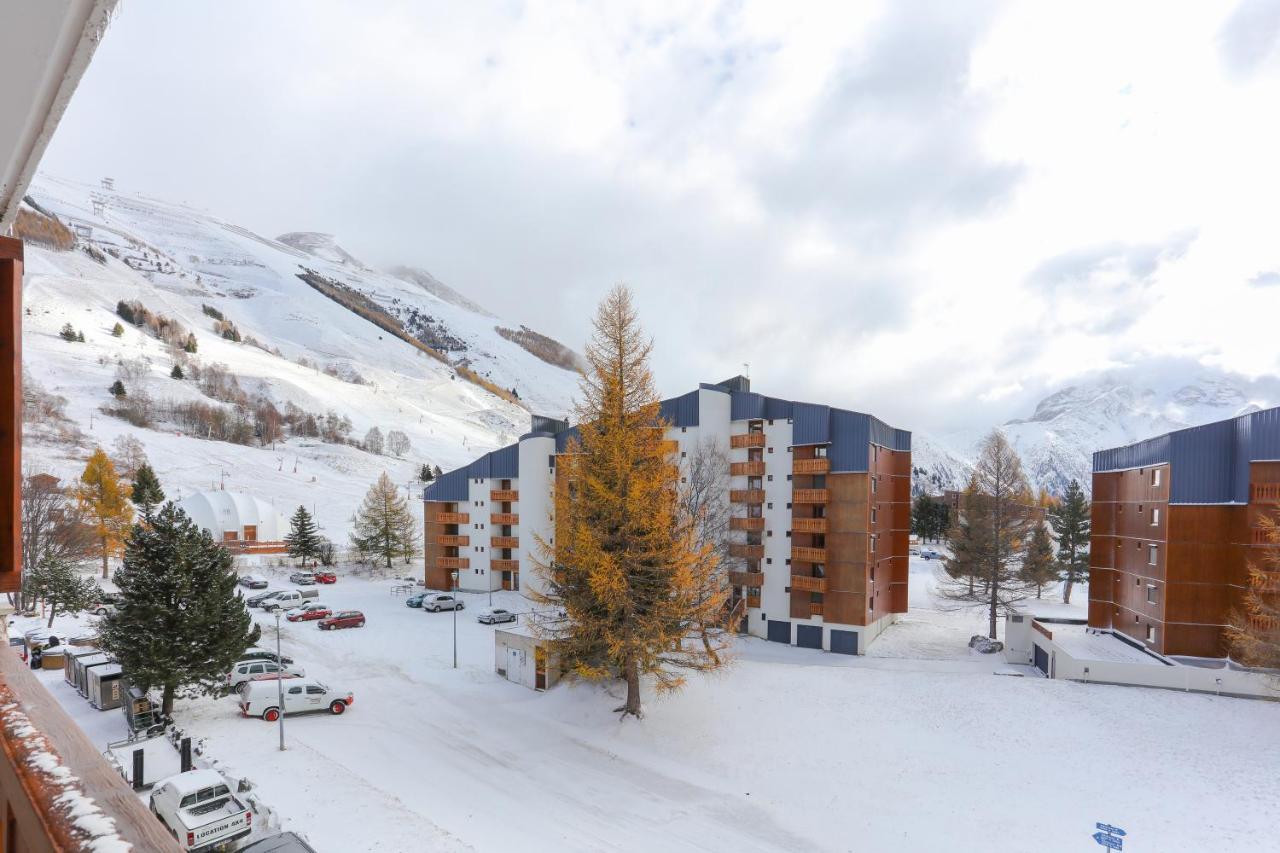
(442, 601)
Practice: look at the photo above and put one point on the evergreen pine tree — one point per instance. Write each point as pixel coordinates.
(380, 524)
(101, 497)
(425, 474)
(436, 472)
(117, 331)
(1071, 523)
(178, 622)
(303, 540)
(68, 333)
(190, 344)
(627, 574)
(117, 390)
(1038, 564)
(177, 373)
(80, 337)
(60, 585)
(146, 494)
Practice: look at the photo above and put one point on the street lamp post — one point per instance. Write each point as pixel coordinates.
(280, 679)
(455, 619)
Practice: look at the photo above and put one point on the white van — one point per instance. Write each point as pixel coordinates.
(250, 669)
(262, 698)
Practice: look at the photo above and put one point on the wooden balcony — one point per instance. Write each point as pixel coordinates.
(808, 525)
(753, 597)
(809, 496)
(669, 446)
(819, 465)
(753, 524)
(500, 495)
(751, 580)
(453, 541)
(805, 583)
(746, 469)
(746, 552)
(504, 518)
(1259, 536)
(751, 439)
(504, 541)
(504, 565)
(452, 518)
(746, 496)
(453, 562)
(1265, 492)
(815, 608)
(808, 555)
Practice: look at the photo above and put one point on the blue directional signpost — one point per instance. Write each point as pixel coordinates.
(1108, 836)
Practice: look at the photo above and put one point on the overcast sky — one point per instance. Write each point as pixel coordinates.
(933, 212)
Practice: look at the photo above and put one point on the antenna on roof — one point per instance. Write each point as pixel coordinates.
(746, 369)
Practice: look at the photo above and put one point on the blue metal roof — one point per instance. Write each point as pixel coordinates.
(452, 486)
(682, 411)
(1209, 463)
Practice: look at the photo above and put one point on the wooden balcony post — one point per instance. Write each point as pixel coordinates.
(10, 414)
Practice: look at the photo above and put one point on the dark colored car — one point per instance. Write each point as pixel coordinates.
(415, 600)
(342, 619)
(325, 576)
(253, 582)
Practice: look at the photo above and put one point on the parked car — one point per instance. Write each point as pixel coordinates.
(325, 576)
(415, 600)
(256, 600)
(103, 606)
(255, 653)
(246, 670)
(342, 619)
(303, 578)
(929, 554)
(200, 810)
(253, 582)
(287, 599)
(262, 699)
(437, 601)
(494, 615)
(285, 842)
(307, 612)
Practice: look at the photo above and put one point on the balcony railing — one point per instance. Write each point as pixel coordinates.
(453, 518)
(453, 562)
(499, 495)
(505, 518)
(504, 541)
(751, 439)
(453, 541)
(815, 608)
(808, 555)
(806, 583)
(505, 565)
(1265, 492)
(746, 552)
(746, 469)
(669, 446)
(753, 597)
(753, 524)
(811, 466)
(751, 580)
(1259, 536)
(746, 496)
(809, 496)
(808, 525)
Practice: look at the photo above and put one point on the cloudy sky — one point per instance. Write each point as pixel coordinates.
(934, 212)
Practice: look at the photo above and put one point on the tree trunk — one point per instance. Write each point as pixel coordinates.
(1066, 589)
(632, 667)
(706, 644)
(53, 609)
(991, 617)
(104, 559)
(166, 704)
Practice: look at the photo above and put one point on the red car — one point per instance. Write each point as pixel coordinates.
(342, 619)
(309, 611)
(326, 576)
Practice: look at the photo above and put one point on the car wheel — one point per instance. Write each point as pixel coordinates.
(461, 606)
(101, 611)
(337, 708)
(271, 715)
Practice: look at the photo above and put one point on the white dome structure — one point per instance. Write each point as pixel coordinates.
(234, 517)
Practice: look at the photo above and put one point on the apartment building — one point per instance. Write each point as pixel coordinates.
(1175, 525)
(821, 512)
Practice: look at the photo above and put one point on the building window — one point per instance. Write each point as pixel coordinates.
(1155, 476)
(1151, 633)
(1151, 555)
(770, 449)
(769, 478)
(873, 485)
(1151, 594)
(1155, 516)
(769, 533)
(683, 454)
(768, 561)
(873, 515)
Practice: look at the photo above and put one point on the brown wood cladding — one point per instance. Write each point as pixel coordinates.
(751, 439)
(746, 496)
(10, 414)
(810, 496)
(749, 524)
(815, 465)
(437, 521)
(808, 525)
(751, 580)
(746, 469)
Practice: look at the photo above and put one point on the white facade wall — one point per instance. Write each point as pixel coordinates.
(478, 506)
(536, 502)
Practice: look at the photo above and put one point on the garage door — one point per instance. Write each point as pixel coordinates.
(809, 636)
(1042, 660)
(844, 642)
(779, 632)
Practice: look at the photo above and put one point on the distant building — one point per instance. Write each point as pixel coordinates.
(242, 523)
(821, 503)
(1175, 524)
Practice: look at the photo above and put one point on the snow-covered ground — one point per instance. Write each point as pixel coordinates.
(919, 746)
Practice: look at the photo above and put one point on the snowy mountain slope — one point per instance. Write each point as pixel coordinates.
(1058, 439)
(174, 260)
(436, 288)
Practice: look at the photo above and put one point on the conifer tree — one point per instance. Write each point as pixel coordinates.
(425, 474)
(1038, 564)
(177, 373)
(80, 337)
(117, 331)
(303, 540)
(117, 390)
(178, 622)
(436, 472)
(1071, 523)
(622, 567)
(102, 500)
(146, 493)
(190, 344)
(68, 333)
(59, 584)
(380, 524)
